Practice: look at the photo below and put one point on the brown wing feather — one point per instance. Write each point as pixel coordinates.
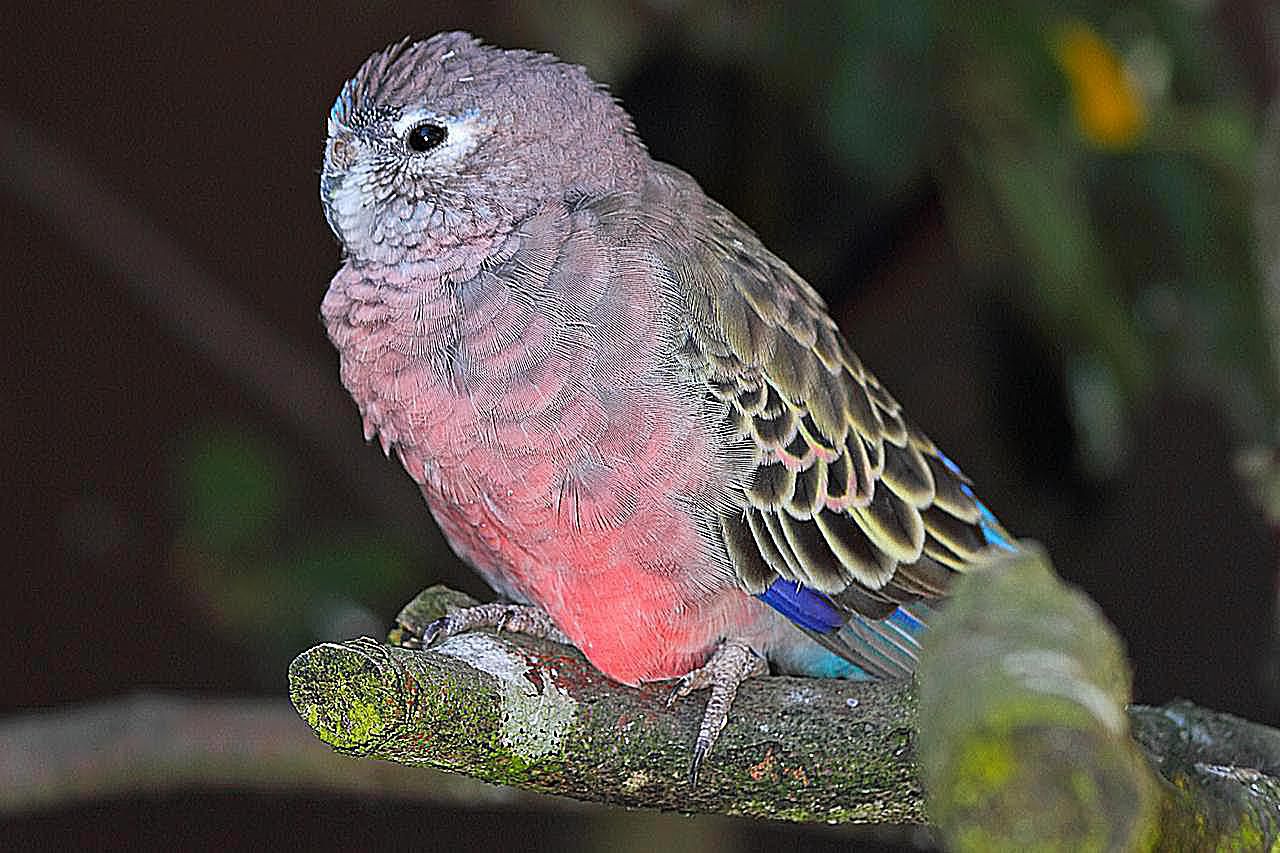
(843, 494)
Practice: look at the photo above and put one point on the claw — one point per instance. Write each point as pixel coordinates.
(682, 689)
(519, 618)
(699, 753)
(433, 632)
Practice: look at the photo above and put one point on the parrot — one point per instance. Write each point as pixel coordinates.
(641, 427)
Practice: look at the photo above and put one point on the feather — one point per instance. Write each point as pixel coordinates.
(865, 602)
(810, 491)
(826, 345)
(773, 525)
(789, 368)
(864, 562)
(753, 568)
(859, 412)
(963, 539)
(863, 484)
(772, 485)
(839, 475)
(893, 525)
(764, 545)
(808, 609)
(907, 474)
(819, 567)
(751, 399)
(949, 494)
(774, 432)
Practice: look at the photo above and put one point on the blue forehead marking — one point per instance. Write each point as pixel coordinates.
(343, 104)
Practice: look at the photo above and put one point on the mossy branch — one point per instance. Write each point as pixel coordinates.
(1027, 739)
(1022, 733)
(516, 711)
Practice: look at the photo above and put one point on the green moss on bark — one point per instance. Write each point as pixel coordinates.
(1023, 731)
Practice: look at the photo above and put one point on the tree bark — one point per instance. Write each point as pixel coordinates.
(512, 710)
(1022, 734)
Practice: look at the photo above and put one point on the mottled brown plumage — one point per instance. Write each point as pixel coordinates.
(839, 491)
(620, 406)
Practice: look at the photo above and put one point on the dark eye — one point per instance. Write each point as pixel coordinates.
(426, 136)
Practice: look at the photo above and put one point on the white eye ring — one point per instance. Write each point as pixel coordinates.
(457, 136)
(409, 119)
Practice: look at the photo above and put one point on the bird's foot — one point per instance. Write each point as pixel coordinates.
(520, 618)
(731, 664)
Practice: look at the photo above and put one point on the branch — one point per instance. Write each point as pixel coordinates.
(151, 743)
(517, 711)
(1024, 735)
(1026, 740)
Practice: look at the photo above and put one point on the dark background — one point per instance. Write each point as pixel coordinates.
(1059, 269)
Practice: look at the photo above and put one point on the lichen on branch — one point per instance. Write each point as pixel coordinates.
(1023, 733)
(516, 711)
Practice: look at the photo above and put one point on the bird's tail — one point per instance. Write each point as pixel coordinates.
(880, 648)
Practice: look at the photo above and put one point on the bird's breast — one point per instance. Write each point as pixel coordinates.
(560, 455)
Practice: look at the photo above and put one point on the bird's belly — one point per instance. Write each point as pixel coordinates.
(570, 492)
(588, 519)
(635, 595)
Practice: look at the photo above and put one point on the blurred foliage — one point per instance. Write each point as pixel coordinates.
(877, 103)
(254, 559)
(1099, 167)
(1097, 163)
(1109, 109)
(232, 489)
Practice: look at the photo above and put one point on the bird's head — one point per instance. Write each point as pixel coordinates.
(448, 142)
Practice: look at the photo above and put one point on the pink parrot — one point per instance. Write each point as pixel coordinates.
(628, 415)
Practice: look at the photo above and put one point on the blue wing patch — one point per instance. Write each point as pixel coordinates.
(803, 606)
(888, 646)
(990, 527)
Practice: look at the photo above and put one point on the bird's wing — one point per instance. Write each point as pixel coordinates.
(847, 511)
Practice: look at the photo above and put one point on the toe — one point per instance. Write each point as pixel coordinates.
(684, 686)
(695, 767)
(435, 632)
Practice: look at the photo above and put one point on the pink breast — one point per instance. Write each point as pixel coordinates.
(612, 554)
(563, 487)
(633, 624)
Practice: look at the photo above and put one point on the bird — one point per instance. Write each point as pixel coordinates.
(641, 427)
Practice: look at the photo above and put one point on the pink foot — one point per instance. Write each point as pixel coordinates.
(520, 618)
(731, 664)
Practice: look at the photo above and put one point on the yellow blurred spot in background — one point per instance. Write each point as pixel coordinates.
(1107, 104)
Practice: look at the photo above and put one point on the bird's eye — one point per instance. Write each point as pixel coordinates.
(425, 136)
